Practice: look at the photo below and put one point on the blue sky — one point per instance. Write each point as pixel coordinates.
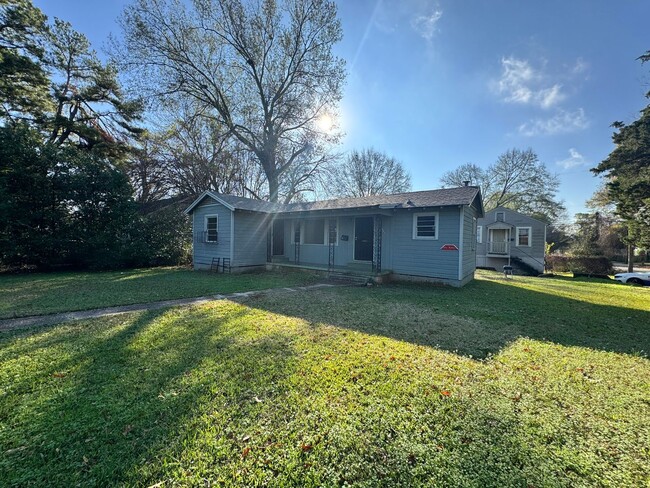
(440, 83)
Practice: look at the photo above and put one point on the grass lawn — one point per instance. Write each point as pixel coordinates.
(44, 293)
(524, 383)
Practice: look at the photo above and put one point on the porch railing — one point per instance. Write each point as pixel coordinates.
(498, 247)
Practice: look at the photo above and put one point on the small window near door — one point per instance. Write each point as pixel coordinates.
(425, 226)
(500, 216)
(523, 236)
(211, 226)
(314, 231)
(479, 234)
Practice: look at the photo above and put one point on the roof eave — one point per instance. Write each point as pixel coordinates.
(200, 198)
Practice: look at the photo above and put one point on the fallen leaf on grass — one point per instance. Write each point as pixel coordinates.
(58, 375)
(445, 393)
(245, 452)
(306, 447)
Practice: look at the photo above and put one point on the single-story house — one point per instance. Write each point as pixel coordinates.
(506, 237)
(428, 235)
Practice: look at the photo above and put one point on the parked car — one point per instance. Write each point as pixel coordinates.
(638, 278)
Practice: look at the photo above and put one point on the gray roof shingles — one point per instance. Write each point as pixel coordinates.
(444, 197)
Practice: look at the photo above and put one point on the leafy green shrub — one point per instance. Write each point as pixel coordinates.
(594, 265)
(66, 207)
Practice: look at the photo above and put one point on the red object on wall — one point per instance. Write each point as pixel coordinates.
(449, 247)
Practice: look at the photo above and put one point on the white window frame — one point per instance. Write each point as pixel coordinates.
(479, 234)
(415, 226)
(326, 229)
(530, 237)
(205, 226)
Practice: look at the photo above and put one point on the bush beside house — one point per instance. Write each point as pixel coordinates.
(590, 265)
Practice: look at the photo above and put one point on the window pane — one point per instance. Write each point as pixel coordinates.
(523, 237)
(426, 226)
(211, 229)
(314, 231)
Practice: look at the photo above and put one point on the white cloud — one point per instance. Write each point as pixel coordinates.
(561, 123)
(523, 84)
(425, 25)
(574, 160)
(548, 97)
(580, 66)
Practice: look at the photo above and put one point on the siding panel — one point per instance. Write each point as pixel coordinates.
(250, 238)
(469, 243)
(424, 258)
(204, 252)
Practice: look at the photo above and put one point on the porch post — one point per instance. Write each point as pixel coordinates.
(331, 243)
(376, 252)
(296, 242)
(269, 244)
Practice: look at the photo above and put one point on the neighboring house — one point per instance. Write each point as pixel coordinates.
(505, 237)
(427, 235)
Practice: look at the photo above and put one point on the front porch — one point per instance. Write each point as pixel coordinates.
(498, 243)
(336, 243)
(498, 248)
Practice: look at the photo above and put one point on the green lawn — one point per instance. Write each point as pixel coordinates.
(43, 293)
(523, 383)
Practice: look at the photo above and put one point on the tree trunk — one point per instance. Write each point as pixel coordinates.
(267, 161)
(273, 186)
(630, 258)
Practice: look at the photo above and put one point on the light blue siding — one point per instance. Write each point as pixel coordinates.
(205, 251)
(250, 238)
(424, 258)
(469, 243)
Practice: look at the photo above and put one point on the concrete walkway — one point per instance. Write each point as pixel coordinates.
(59, 318)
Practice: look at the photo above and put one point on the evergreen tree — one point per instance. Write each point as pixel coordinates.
(23, 81)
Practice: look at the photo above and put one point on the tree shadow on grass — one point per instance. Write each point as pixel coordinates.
(175, 395)
(109, 396)
(478, 320)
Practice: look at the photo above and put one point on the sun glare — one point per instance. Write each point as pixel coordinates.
(325, 123)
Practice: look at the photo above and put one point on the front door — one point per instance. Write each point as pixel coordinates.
(499, 241)
(278, 238)
(363, 236)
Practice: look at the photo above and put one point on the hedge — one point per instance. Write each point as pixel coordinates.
(592, 265)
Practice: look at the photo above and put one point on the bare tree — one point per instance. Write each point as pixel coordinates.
(368, 172)
(471, 172)
(199, 155)
(147, 171)
(264, 69)
(517, 180)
